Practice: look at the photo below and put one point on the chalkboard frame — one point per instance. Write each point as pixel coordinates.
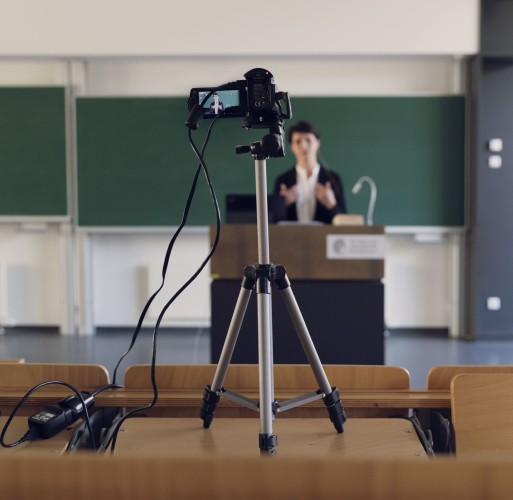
(33, 154)
(135, 164)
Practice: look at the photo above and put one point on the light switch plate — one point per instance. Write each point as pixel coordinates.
(495, 145)
(493, 303)
(495, 161)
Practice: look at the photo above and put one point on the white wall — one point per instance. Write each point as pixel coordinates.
(307, 75)
(36, 270)
(289, 27)
(127, 270)
(120, 270)
(424, 278)
(350, 48)
(414, 270)
(33, 288)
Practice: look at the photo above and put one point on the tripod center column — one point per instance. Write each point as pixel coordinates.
(267, 438)
(262, 219)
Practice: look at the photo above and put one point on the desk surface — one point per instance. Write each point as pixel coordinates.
(18, 428)
(231, 437)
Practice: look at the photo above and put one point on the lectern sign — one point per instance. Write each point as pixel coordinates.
(342, 246)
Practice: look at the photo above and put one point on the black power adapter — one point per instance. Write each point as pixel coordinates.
(52, 419)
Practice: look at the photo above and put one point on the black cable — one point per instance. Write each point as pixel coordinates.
(113, 438)
(27, 395)
(201, 166)
(105, 388)
(164, 270)
(177, 232)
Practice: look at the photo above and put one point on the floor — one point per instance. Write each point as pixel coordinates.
(415, 350)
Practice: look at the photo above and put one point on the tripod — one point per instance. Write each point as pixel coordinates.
(262, 276)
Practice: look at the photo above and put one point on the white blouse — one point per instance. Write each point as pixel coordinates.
(305, 202)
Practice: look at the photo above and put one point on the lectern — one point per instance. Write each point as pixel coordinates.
(336, 273)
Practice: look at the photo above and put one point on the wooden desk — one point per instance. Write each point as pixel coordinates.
(90, 476)
(185, 437)
(54, 446)
(187, 403)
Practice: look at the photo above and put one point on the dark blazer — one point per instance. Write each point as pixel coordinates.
(322, 214)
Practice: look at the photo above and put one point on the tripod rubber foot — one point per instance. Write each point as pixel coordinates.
(267, 442)
(208, 406)
(335, 409)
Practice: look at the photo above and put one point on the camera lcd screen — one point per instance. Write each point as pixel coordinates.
(219, 101)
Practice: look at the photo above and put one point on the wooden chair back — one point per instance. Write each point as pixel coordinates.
(23, 376)
(440, 377)
(288, 379)
(482, 409)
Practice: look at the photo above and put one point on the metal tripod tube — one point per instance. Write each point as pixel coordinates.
(231, 339)
(263, 275)
(262, 220)
(265, 363)
(306, 340)
(264, 305)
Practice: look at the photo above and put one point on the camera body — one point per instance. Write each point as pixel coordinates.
(255, 99)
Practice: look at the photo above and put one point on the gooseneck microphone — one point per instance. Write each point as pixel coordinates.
(372, 200)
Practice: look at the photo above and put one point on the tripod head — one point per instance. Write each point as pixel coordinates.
(256, 99)
(271, 146)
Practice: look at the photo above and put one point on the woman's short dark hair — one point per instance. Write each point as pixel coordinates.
(304, 127)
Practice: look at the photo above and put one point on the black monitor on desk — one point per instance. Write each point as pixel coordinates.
(241, 208)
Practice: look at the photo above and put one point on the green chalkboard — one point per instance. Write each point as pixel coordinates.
(135, 164)
(32, 152)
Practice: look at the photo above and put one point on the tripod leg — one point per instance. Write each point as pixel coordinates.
(211, 392)
(267, 440)
(332, 396)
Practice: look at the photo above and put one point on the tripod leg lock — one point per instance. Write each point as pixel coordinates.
(267, 442)
(335, 409)
(281, 279)
(250, 277)
(208, 406)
